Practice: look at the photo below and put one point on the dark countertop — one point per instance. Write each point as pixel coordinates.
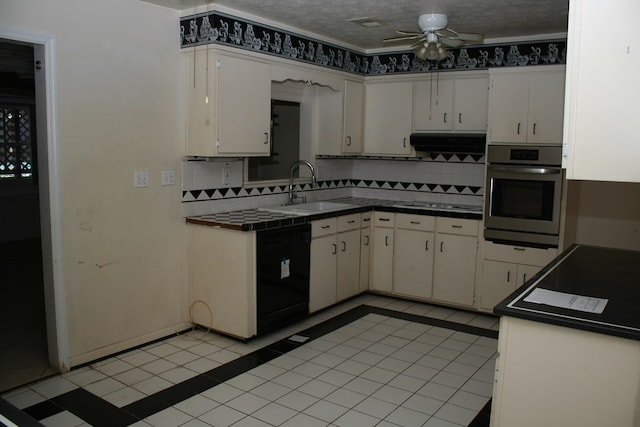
(255, 219)
(590, 271)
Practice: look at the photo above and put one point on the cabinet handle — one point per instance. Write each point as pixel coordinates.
(335, 249)
(351, 221)
(386, 240)
(445, 117)
(441, 246)
(459, 117)
(266, 137)
(366, 219)
(349, 141)
(325, 227)
(426, 245)
(366, 241)
(518, 128)
(414, 222)
(385, 219)
(534, 128)
(344, 246)
(508, 276)
(519, 249)
(456, 226)
(404, 142)
(524, 277)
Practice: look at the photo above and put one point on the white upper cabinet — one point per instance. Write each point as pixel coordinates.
(388, 115)
(526, 106)
(603, 88)
(228, 105)
(353, 114)
(452, 103)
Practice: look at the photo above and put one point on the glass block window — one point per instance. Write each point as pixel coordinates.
(17, 154)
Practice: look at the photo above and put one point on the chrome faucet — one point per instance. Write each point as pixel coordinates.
(296, 164)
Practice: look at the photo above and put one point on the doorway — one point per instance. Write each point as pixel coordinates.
(24, 349)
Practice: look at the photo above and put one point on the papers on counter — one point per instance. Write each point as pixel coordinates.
(564, 300)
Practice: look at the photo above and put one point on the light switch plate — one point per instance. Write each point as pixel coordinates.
(141, 178)
(168, 177)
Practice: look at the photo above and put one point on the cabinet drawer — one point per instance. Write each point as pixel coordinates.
(366, 219)
(466, 227)
(384, 219)
(416, 222)
(323, 227)
(519, 254)
(348, 222)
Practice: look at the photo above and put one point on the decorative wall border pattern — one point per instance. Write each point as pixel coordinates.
(219, 28)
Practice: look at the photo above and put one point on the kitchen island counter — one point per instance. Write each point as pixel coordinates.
(588, 271)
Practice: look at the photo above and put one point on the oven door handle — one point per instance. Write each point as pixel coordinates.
(526, 170)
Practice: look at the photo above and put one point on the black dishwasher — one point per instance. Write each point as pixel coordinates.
(282, 276)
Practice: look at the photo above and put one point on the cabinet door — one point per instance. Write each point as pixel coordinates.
(499, 279)
(433, 104)
(470, 101)
(508, 107)
(365, 253)
(413, 263)
(322, 281)
(388, 115)
(382, 260)
(454, 268)
(244, 107)
(348, 270)
(546, 107)
(526, 272)
(200, 88)
(353, 114)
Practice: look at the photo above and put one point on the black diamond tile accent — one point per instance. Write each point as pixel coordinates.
(445, 188)
(393, 184)
(223, 191)
(210, 193)
(432, 186)
(460, 188)
(236, 190)
(283, 188)
(368, 182)
(475, 190)
(447, 156)
(272, 189)
(461, 156)
(380, 183)
(477, 157)
(184, 193)
(196, 193)
(405, 185)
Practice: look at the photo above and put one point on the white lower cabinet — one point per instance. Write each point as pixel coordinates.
(335, 260)
(365, 250)
(507, 267)
(382, 252)
(413, 255)
(455, 259)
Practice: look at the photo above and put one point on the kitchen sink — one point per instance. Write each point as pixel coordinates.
(308, 208)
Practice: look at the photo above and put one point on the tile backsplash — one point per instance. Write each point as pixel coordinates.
(216, 185)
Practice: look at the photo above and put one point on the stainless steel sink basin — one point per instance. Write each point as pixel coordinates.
(308, 208)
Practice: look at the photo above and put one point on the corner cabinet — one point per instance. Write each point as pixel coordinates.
(229, 105)
(387, 120)
(505, 268)
(451, 103)
(526, 106)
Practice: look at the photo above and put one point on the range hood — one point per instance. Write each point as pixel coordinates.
(449, 143)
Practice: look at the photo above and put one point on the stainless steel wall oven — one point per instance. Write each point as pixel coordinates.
(523, 193)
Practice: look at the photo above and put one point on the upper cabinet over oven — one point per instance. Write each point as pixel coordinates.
(526, 105)
(228, 105)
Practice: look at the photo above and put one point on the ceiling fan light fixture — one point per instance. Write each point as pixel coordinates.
(432, 21)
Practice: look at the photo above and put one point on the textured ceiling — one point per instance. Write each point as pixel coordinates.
(329, 18)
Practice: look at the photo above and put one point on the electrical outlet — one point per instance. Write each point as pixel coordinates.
(168, 177)
(226, 175)
(141, 179)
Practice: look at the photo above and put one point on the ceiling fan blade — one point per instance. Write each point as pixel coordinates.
(401, 38)
(451, 42)
(447, 32)
(419, 42)
(470, 37)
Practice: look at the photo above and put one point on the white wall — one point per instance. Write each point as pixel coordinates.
(119, 108)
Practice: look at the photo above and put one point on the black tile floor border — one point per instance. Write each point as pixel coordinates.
(98, 412)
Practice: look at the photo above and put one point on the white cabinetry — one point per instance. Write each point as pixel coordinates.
(388, 112)
(335, 260)
(382, 252)
(229, 105)
(526, 106)
(213, 266)
(353, 114)
(507, 267)
(451, 104)
(413, 255)
(365, 250)
(602, 93)
(455, 260)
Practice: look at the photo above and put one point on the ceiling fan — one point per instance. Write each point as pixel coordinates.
(435, 38)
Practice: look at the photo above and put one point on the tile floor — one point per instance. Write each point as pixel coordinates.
(371, 361)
